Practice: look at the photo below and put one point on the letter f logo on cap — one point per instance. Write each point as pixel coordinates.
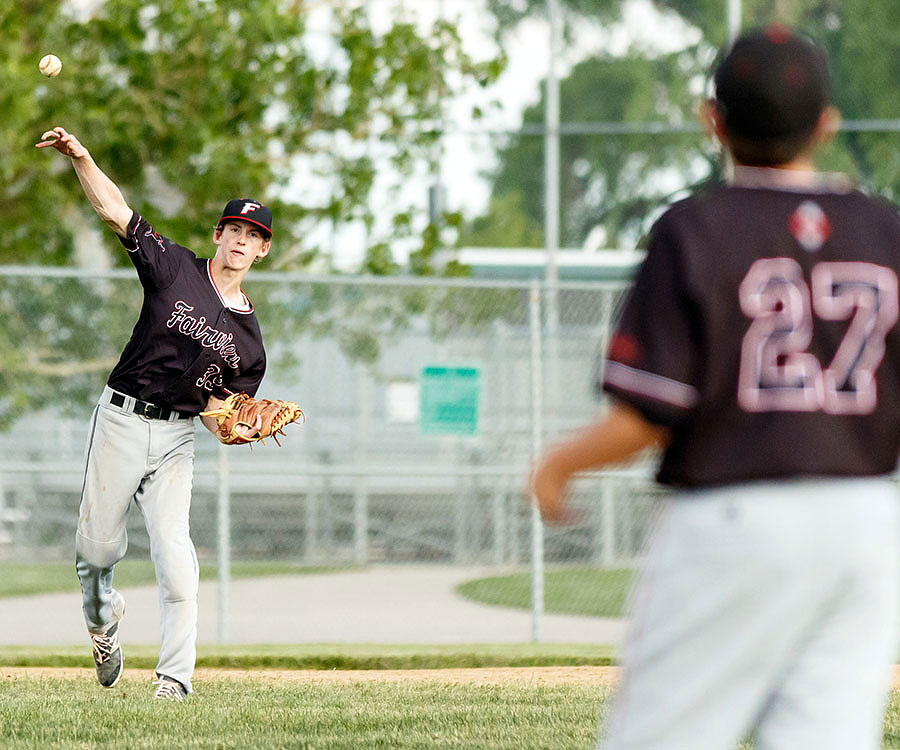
(247, 209)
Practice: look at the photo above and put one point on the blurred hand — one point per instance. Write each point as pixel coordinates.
(550, 484)
(621, 433)
(66, 143)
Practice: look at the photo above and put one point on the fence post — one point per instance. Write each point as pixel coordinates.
(5, 516)
(499, 447)
(314, 502)
(607, 532)
(361, 490)
(608, 521)
(498, 521)
(461, 506)
(537, 429)
(552, 209)
(223, 515)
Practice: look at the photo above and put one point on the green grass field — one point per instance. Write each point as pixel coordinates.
(332, 656)
(66, 713)
(569, 591)
(61, 714)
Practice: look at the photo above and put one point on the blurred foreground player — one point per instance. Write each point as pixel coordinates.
(760, 349)
(196, 343)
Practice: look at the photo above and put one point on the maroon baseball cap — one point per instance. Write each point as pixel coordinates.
(772, 84)
(249, 210)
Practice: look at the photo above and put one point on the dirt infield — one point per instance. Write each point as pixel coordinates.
(479, 676)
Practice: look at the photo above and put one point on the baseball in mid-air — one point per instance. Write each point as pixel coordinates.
(50, 65)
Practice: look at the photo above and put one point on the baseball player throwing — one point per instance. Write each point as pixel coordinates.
(195, 343)
(760, 349)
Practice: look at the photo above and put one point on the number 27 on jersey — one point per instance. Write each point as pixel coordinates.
(777, 370)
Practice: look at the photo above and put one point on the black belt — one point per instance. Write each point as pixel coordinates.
(151, 411)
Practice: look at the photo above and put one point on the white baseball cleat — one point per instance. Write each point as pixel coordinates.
(169, 689)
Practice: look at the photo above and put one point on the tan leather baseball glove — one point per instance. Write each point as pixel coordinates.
(259, 418)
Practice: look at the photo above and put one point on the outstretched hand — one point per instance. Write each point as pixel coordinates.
(64, 142)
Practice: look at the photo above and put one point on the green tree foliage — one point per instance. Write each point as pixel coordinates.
(506, 223)
(604, 179)
(187, 103)
(59, 340)
(511, 12)
(622, 181)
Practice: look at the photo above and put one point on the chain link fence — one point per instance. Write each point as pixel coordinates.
(395, 463)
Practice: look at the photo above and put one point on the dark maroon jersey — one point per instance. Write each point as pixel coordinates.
(762, 329)
(188, 343)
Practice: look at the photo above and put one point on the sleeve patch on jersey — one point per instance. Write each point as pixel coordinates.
(653, 386)
(156, 238)
(625, 348)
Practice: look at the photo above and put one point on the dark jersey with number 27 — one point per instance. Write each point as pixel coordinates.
(762, 330)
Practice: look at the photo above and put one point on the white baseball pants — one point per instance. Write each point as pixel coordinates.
(769, 610)
(148, 461)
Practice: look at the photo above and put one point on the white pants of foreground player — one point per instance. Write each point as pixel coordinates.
(769, 609)
(148, 461)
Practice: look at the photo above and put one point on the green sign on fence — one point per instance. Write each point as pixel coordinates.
(448, 400)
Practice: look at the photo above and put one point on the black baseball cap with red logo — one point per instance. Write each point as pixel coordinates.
(249, 210)
(773, 83)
